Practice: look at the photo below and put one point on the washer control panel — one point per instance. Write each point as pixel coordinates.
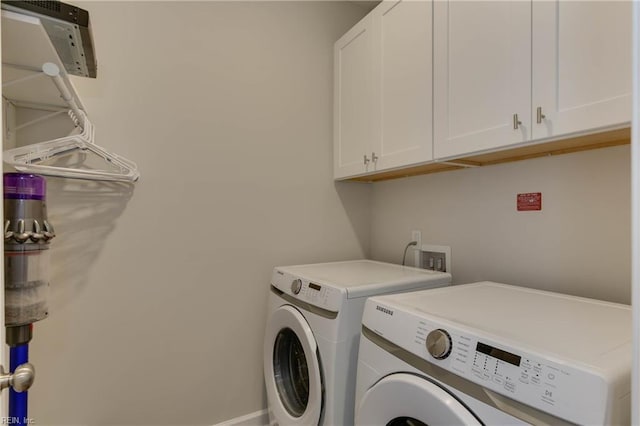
(523, 376)
(558, 388)
(322, 296)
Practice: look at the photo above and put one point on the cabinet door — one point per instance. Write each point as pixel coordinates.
(403, 51)
(482, 75)
(581, 65)
(353, 100)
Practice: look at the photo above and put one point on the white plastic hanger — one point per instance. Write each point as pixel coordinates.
(59, 157)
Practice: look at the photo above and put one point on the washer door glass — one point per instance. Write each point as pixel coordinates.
(405, 421)
(291, 372)
(407, 399)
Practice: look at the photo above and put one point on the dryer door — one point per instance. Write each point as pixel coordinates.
(405, 399)
(292, 369)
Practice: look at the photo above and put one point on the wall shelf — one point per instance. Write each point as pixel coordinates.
(23, 81)
(34, 77)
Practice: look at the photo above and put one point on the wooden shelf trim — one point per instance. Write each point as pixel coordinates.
(558, 147)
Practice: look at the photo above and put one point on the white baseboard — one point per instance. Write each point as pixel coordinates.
(259, 418)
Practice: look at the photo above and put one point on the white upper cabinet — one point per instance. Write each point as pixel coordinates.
(354, 100)
(383, 82)
(419, 84)
(482, 75)
(404, 57)
(564, 67)
(581, 66)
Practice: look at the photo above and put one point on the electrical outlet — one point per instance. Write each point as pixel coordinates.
(416, 235)
(435, 258)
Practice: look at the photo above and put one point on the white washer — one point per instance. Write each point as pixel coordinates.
(488, 353)
(313, 331)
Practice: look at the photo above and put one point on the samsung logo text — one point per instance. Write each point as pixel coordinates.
(384, 310)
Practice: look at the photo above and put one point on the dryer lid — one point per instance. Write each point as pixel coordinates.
(361, 278)
(529, 318)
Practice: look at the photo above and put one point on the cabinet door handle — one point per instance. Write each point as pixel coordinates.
(374, 157)
(366, 160)
(539, 115)
(516, 123)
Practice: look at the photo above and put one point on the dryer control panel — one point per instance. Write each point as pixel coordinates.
(318, 295)
(551, 385)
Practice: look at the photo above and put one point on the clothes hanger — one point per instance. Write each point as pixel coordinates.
(66, 157)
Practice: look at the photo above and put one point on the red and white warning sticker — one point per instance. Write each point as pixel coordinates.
(529, 201)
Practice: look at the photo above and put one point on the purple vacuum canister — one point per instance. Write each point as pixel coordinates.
(24, 186)
(27, 234)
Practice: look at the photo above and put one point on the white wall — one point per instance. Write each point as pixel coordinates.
(578, 244)
(159, 291)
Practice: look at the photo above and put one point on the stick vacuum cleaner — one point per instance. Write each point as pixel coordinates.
(27, 234)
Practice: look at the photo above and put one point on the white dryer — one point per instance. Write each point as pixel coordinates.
(488, 353)
(313, 331)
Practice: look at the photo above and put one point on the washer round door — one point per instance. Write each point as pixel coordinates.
(292, 369)
(407, 400)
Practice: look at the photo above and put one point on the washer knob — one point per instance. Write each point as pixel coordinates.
(439, 343)
(296, 285)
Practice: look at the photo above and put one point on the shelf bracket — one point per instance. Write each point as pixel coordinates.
(53, 71)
